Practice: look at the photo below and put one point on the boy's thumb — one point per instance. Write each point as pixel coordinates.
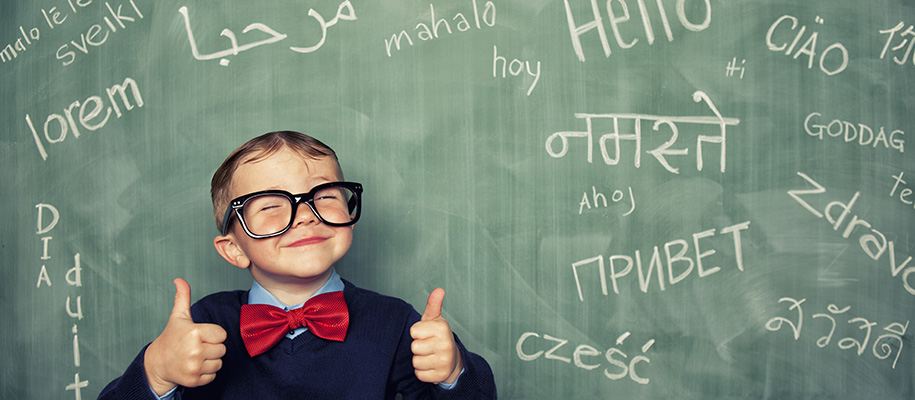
(182, 307)
(434, 305)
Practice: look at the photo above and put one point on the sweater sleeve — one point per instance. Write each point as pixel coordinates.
(477, 381)
(131, 385)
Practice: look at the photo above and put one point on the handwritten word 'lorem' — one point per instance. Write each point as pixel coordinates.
(661, 152)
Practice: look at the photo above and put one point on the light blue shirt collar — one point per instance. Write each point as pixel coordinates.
(259, 295)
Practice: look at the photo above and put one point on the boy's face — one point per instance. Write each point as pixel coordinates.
(305, 253)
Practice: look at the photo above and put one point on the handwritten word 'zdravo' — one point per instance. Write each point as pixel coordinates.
(344, 12)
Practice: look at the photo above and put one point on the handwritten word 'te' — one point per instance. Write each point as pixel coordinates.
(344, 12)
(655, 263)
(904, 193)
(512, 69)
(874, 244)
(884, 342)
(90, 115)
(809, 48)
(661, 152)
(92, 38)
(578, 30)
(863, 133)
(424, 33)
(599, 198)
(583, 350)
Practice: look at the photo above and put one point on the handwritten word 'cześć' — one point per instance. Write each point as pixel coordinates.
(463, 25)
(661, 152)
(92, 115)
(615, 21)
(344, 11)
(874, 243)
(861, 133)
(686, 267)
(614, 355)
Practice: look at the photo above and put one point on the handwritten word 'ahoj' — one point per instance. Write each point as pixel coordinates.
(661, 152)
(685, 263)
(344, 12)
(873, 243)
(583, 353)
(598, 200)
(92, 114)
(889, 341)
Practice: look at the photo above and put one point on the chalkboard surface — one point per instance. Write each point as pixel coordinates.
(654, 199)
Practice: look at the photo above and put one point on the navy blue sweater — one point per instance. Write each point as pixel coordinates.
(374, 362)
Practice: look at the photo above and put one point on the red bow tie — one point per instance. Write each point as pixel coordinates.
(262, 326)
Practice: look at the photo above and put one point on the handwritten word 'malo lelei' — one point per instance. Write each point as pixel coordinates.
(424, 33)
(73, 278)
(890, 340)
(614, 356)
(860, 133)
(617, 20)
(809, 48)
(344, 12)
(53, 16)
(97, 34)
(661, 152)
(685, 268)
(873, 243)
(92, 115)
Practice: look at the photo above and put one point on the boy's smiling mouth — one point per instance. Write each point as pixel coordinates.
(307, 241)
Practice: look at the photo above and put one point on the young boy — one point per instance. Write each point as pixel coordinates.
(287, 216)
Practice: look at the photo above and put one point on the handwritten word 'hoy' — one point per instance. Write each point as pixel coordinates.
(661, 152)
(613, 355)
(615, 21)
(344, 12)
(873, 243)
(686, 264)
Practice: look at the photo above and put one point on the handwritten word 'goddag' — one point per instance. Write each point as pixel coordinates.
(344, 12)
(661, 152)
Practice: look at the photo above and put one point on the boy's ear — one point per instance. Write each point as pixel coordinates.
(229, 249)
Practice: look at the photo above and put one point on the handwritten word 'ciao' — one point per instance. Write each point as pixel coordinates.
(344, 12)
(686, 266)
(613, 355)
(873, 243)
(809, 48)
(661, 152)
(886, 342)
(615, 21)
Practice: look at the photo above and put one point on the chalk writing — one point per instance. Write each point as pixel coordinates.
(98, 34)
(515, 67)
(883, 347)
(873, 242)
(90, 116)
(661, 152)
(732, 68)
(424, 33)
(685, 268)
(860, 133)
(344, 12)
(12, 50)
(599, 200)
(905, 43)
(834, 65)
(577, 30)
(904, 193)
(616, 357)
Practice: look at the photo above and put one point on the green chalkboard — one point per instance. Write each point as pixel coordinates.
(654, 199)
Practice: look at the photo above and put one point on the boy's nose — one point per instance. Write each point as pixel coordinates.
(305, 215)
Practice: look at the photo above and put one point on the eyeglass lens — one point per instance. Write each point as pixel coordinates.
(269, 214)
